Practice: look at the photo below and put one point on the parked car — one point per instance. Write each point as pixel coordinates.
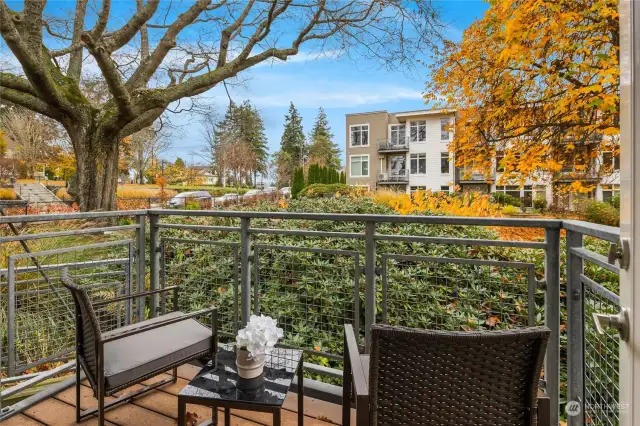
(231, 197)
(286, 191)
(183, 198)
(252, 194)
(270, 189)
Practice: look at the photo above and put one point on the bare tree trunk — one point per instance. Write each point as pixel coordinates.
(97, 177)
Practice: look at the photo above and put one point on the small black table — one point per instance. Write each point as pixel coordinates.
(220, 386)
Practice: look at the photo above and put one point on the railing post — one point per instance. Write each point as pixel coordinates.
(11, 318)
(370, 281)
(552, 320)
(575, 328)
(154, 260)
(245, 277)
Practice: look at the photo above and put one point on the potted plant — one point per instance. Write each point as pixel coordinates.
(254, 343)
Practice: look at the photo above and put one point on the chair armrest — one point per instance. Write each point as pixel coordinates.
(544, 410)
(357, 369)
(158, 324)
(131, 296)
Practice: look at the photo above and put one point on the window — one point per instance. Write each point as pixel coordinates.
(499, 158)
(445, 134)
(444, 162)
(359, 166)
(359, 135)
(418, 164)
(397, 134)
(610, 191)
(512, 190)
(444, 188)
(527, 196)
(417, 188)
(610, 161)
(418, 131)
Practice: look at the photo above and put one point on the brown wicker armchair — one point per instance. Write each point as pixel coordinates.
(121, 358)
(423, 377)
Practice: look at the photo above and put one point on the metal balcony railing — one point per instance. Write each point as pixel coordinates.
(388, 269)
(464, 176)
(393, 145)
(392, 176)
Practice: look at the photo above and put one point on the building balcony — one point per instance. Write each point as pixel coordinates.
(463, 176)
(393, 145)
(391, 177)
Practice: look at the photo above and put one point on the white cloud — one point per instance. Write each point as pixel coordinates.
(330, 95)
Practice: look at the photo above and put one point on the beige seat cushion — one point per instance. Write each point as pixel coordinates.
(152, 351)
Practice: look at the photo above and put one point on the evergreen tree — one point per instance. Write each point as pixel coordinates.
(292, 144)
(240, 131)
(298, 181)
(322, 149)
(179, 163)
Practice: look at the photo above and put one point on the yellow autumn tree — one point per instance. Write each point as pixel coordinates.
(535, 82)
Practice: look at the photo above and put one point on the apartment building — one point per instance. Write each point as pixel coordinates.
(604, 176)
(403, 151)
(406, 151)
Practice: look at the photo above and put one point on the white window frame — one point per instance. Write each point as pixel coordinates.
(614, 189)
(449, 123)
(368, 166)
(612, 163)
(418, 154)
(351, 145)
(448, 172)
(400, 141)
(411, 123)
(416, 188)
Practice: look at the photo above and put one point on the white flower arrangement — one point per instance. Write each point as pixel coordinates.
(259, 336)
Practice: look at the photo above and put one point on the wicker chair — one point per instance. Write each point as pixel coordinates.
(115, 360)
(422, 377)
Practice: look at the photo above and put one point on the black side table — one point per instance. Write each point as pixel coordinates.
(220, 386)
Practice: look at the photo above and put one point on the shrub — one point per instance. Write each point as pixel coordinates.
(141, 191)
(320, 189)
(192, 205)
(615, 201)
(540, 204)
(510, 210)
(602, 213)
(297, 182)
(63, 194)
(7, 194)
(443, 203)
(505, 199)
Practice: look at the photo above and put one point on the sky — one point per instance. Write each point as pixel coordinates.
(339, 85)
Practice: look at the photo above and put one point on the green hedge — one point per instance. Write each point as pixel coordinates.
(321, 189)
(216, 191)
(505, 199)
(602, 213)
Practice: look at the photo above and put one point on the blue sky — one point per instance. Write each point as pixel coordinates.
(340, 86)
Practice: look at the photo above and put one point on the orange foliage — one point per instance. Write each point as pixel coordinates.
(420, 202)
(538, 81)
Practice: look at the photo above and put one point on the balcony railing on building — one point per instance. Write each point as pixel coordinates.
(466, 176)
(393, 145)
(389, 176)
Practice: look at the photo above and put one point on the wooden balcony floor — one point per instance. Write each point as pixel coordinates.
(160, 408)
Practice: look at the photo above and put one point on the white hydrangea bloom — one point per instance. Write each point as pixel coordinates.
(259, 336)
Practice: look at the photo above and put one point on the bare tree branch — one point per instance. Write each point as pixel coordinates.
(148, 67)
(124, 35)
(75, 61)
